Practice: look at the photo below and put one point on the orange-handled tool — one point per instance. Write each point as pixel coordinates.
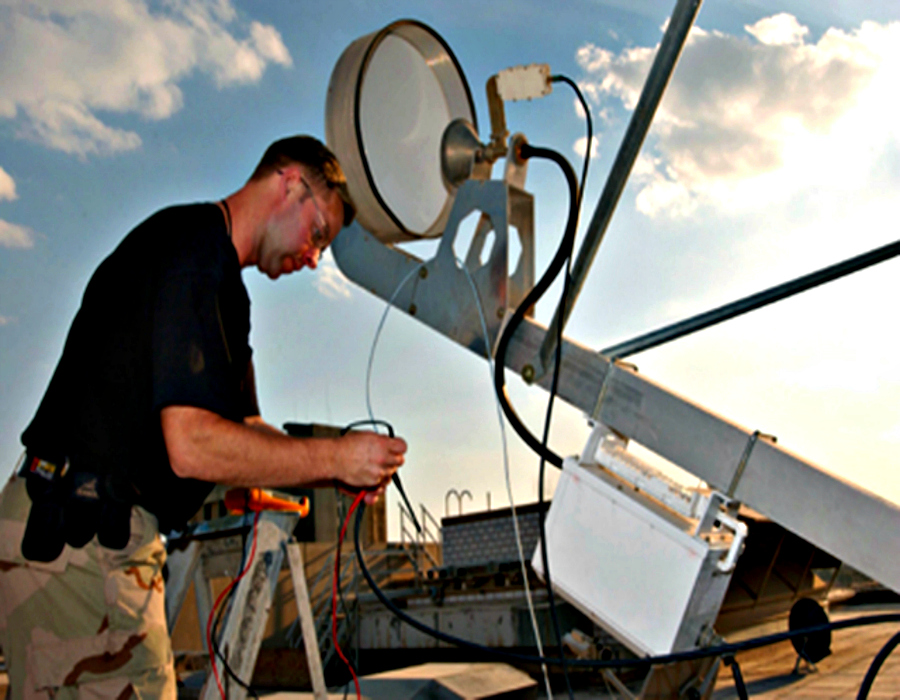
(241, 500)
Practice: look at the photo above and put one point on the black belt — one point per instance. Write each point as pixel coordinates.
(45, 468)
(69, 506)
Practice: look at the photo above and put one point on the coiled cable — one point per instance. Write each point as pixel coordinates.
(725, 650)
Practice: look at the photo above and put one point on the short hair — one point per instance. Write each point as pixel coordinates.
(315, 155)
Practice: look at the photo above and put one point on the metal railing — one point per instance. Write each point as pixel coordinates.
(414, 543)
(427, 536)
(409, 542)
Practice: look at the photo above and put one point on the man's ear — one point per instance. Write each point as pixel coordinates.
(291, 181)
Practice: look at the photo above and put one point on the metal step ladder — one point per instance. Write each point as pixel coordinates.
(245, 620)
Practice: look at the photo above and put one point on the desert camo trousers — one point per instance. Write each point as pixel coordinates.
(89, 625)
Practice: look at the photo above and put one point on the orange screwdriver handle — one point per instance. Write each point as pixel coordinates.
(241, 500)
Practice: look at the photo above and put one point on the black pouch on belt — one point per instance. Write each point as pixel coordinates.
(114, 527)
(81, 512)
(44, 537)
(93, 508)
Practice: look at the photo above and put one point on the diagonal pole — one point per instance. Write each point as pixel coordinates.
(661, 71)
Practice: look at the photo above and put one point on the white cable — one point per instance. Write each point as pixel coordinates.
(515, 518)
(509, 492)
(387, 308)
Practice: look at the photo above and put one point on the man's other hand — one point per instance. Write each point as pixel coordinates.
(368, 460)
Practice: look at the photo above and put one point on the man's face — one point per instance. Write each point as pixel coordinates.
(305, 222)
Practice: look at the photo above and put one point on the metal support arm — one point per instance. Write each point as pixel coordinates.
(845, 520)
(437, 291)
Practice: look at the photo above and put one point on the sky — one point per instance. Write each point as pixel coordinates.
(775, 152)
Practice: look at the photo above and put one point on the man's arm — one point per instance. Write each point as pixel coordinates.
(257, 423)
(203, 445)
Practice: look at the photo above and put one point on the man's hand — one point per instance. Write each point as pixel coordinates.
(203, 445)
(368, 460)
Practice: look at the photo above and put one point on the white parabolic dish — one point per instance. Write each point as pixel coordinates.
(391, 95)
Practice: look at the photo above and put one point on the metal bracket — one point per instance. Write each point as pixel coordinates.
(440, 295)
(714, 514)
(711, 513)
(599, 433)
(516, 169)
(745, 458)
(604, 386)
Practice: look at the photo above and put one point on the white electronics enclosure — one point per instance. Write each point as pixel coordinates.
(647, 560)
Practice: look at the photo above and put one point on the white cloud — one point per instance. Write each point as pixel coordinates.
(7, 320)
(71, 128)
(330, 282)
(119, 56)
(778, 30)
(7, 186)
(580, 146)
(15, 236)
(892, 435)
(11, 235)
(749, 120)
(268, 44)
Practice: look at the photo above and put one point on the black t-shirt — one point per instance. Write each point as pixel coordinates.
(165, 320)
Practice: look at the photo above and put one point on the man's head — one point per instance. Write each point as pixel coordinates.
(319, 162)
(311, 204)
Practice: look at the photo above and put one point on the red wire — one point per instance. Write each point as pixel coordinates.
(209, 622)
(334, 591)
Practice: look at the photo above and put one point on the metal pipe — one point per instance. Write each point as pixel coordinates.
(663, 65)
(754, 301)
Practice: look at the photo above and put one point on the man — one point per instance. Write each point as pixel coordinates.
(152, 403)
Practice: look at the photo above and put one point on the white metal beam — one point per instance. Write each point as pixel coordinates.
(841, 518)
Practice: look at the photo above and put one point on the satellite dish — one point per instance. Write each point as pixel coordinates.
(816, 646)
(391, 96)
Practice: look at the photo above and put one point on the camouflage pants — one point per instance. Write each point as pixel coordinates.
(90, 624)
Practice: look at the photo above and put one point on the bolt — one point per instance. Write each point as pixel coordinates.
(501, 312)
(412, 309)
(423, 272)
(528, 374)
